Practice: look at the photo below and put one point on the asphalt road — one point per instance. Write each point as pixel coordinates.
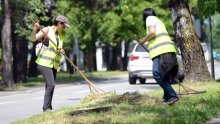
(23, 104)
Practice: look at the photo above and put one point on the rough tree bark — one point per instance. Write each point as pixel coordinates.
(191, 50)
(89, 61)
(7, 74)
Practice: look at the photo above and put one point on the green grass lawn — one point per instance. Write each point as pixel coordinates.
(146, 108)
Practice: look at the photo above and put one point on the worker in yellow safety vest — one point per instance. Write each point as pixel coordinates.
(48, 54)
(162, 51)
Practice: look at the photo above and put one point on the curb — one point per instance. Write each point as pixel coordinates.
(28, 90)
(214, 121)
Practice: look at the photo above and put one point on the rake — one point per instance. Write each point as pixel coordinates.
(187, 89)
(135, 38)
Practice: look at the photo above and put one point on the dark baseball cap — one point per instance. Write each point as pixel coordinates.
(63, 19)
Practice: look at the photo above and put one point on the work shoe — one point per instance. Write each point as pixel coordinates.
(171, 100)
(48, 110)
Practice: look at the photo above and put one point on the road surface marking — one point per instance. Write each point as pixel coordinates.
(38, 97)
(1, 103)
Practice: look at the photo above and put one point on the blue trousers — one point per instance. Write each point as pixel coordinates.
(164, 83)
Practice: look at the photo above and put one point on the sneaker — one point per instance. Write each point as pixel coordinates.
(171, 100)
(165, 100)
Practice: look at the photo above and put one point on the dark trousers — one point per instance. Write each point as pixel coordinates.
(49, 75)
(164, 82)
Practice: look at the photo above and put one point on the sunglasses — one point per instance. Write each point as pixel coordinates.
(62, 23)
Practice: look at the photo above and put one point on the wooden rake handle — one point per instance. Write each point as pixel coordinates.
(33, 21)
(135, 38)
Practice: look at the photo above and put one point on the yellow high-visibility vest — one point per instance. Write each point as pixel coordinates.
(49, 55)
(161, 42)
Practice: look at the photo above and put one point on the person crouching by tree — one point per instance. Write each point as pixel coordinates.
(48, 55)
(162, 51)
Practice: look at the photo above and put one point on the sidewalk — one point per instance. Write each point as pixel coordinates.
(28, 89)
(41, 87)
(214, 121)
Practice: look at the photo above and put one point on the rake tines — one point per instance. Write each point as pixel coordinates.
(187, 89)
(91, 85)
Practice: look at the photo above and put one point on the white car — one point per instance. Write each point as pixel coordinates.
(139, 65)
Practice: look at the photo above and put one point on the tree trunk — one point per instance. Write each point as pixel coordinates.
(7, 74)
(108, 57)
(89, 62)
(191, 50)
(114, 60)
(19, 42)
(20, 52)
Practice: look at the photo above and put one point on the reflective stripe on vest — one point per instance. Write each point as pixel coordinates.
(160, 44)
(49, 49)
(48, 58)
(160, 35)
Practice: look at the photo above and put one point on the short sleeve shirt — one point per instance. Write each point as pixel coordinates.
(151, 21)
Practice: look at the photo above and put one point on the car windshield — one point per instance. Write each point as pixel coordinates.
(141, 49)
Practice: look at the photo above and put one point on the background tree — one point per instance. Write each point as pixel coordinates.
(208, 7)
(21, 36)
(191, 50)
(107, 21)
(19, 41)
(7, 70)
(205, 9)
(86, 18)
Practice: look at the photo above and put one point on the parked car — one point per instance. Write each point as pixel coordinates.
(140, 65)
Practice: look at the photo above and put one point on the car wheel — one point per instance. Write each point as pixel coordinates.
(132, 80)
(142, 80)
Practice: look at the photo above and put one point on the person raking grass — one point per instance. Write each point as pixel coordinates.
(48, 55)
(162, 51)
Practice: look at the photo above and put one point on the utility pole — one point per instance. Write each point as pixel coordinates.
(211, 48)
